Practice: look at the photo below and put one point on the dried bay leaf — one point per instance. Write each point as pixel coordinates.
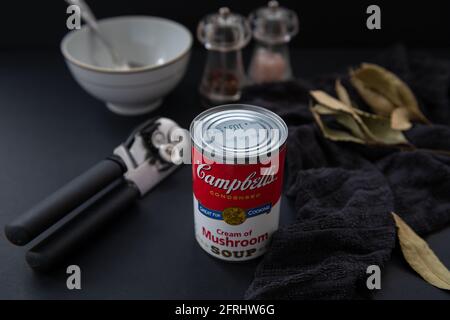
(328, 101)
(320, 109)
(376, 85)
(342, 93)
(400, 119)
(379, 104)
(420, 256)
(344, 119)
(374, 130)
(383, 132)
(381, 81)
(399, 92)
(369, 128)
(356, 129)
(332, 134)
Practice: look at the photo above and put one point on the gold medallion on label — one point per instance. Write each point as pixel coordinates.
(234, 216)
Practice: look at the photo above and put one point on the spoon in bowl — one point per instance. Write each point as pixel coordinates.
(120, 63)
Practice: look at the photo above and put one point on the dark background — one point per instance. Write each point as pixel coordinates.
(51, 130)
(31, 24)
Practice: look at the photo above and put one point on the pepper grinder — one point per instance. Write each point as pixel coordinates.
(223, 34)
(273, 28)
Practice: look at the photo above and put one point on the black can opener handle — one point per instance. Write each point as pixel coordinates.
(59, 204)
(78, 231)
(138, 164)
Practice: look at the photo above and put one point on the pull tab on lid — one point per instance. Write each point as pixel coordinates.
(274, 24)
(224, 31)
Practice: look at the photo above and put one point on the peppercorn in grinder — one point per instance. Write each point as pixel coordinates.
(223, 34)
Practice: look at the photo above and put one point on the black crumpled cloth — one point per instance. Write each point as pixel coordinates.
(344, 193)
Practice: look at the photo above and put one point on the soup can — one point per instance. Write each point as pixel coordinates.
(238, 154)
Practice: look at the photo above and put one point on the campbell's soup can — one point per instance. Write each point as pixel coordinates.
(238, 154)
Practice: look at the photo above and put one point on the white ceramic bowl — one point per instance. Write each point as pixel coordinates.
(160, 45)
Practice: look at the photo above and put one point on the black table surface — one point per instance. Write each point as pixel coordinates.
(51, 131)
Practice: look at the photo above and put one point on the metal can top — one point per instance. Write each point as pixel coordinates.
(238, 131)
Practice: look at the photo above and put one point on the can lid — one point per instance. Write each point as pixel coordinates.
(238, 131)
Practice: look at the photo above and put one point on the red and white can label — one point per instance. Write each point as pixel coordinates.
(236, 206)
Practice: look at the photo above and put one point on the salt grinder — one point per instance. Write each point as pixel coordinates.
(273, 28)
(223, 34)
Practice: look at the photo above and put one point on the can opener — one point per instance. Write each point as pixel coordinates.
(146, 158)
